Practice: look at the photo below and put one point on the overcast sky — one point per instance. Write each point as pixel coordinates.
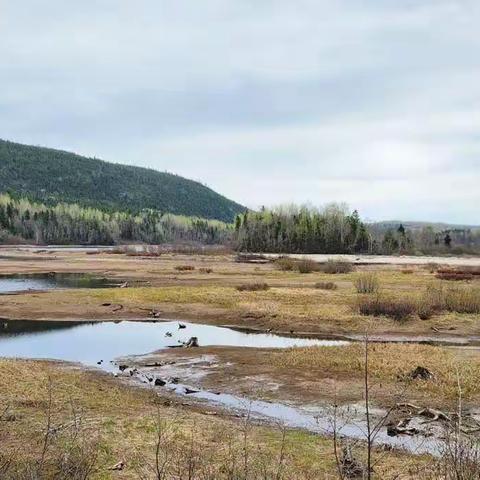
(371, 102)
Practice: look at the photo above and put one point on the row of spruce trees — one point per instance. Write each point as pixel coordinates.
(303, 230)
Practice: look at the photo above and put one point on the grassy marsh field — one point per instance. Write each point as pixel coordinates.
(119, 422)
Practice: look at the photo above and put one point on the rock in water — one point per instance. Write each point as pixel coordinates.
(193, 342)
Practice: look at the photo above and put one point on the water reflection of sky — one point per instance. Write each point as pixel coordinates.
(90, 343)
(19, 283)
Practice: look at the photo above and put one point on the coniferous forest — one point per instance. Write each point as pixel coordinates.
(303, 230)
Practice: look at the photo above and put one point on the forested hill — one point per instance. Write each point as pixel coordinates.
(53, 176)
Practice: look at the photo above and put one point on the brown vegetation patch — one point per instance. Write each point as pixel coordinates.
(253, 287)
(337, 266)
(367, 283)
(185, 268)
(349, 361)
(326, 286)
(398, 309)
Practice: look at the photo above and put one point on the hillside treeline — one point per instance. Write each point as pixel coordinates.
(22, 221)
(303, 230)
(51, 176)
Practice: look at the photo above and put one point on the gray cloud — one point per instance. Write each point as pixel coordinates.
(374, 103)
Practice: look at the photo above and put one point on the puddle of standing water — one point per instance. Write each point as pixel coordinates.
(52, 281)
(89, 343)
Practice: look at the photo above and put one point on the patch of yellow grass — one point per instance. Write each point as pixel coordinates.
(390, 363)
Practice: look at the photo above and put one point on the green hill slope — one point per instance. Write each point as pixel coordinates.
(52, 176)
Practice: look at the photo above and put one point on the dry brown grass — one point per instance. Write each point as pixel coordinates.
(185, 268)
(326, 286)
(306, 265)
(463, 300)
(337, 266)
(303, 265)
(398, 309)
(367, 283)
(205, 270)
(454, 276)
(285, 264)
(390, 363)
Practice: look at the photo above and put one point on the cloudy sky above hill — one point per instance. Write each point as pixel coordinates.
(375, 103)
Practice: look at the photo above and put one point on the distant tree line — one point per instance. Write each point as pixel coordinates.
(303, 230)
(63, 224)
(425, 240)
(334, 229)
(287, 229)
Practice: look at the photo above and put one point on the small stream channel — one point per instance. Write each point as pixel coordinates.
(101, 344)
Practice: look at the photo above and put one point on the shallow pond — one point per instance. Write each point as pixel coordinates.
(51, 281)
(90, 343)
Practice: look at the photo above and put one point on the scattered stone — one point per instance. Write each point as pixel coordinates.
(174, 380)
(106, 304)
(181, 325)
(159, 382)
(122, 368)
(168, 334)
(99, 362)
